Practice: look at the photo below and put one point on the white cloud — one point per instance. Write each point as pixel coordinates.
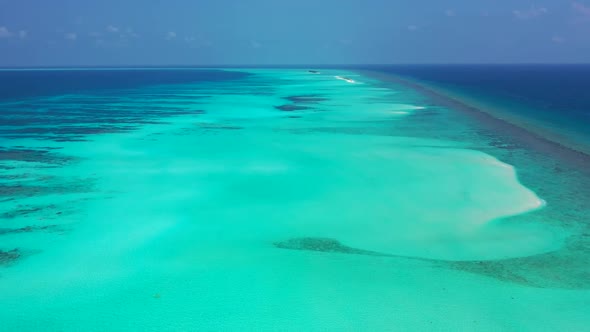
(450, 12)
(581, 9)
(530, 13)
(71, 36)
(130, 33)
(112, 28)
(581, 13)
(171, 35)
(5, 33)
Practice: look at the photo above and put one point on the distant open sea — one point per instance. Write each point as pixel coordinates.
(553, 98)
(377, 198)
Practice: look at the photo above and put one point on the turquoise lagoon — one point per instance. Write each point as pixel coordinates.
(284, 200)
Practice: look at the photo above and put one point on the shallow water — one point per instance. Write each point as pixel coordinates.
(281, 200)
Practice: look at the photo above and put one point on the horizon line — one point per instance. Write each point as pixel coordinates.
(326, 66)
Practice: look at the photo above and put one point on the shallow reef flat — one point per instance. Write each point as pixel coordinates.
(283, 200)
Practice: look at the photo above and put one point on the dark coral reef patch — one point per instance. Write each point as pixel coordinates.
(322, 244)
(292, 107)
(551, 270)
(7, 257)
(306, 99)
(28, 229)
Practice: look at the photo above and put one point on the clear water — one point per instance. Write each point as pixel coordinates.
(281, 200)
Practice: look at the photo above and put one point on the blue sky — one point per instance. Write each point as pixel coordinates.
(210, 32)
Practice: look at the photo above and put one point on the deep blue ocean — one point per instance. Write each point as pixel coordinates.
(18, 84)
(552, 88)
(556, 95)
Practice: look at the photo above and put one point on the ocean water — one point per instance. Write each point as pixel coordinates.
(278, 199)
(551, 100)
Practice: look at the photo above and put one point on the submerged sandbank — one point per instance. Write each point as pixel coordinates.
(560, 173)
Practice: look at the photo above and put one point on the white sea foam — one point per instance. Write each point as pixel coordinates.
(345, 79)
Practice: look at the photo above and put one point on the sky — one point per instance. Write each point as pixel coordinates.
(272, 32)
